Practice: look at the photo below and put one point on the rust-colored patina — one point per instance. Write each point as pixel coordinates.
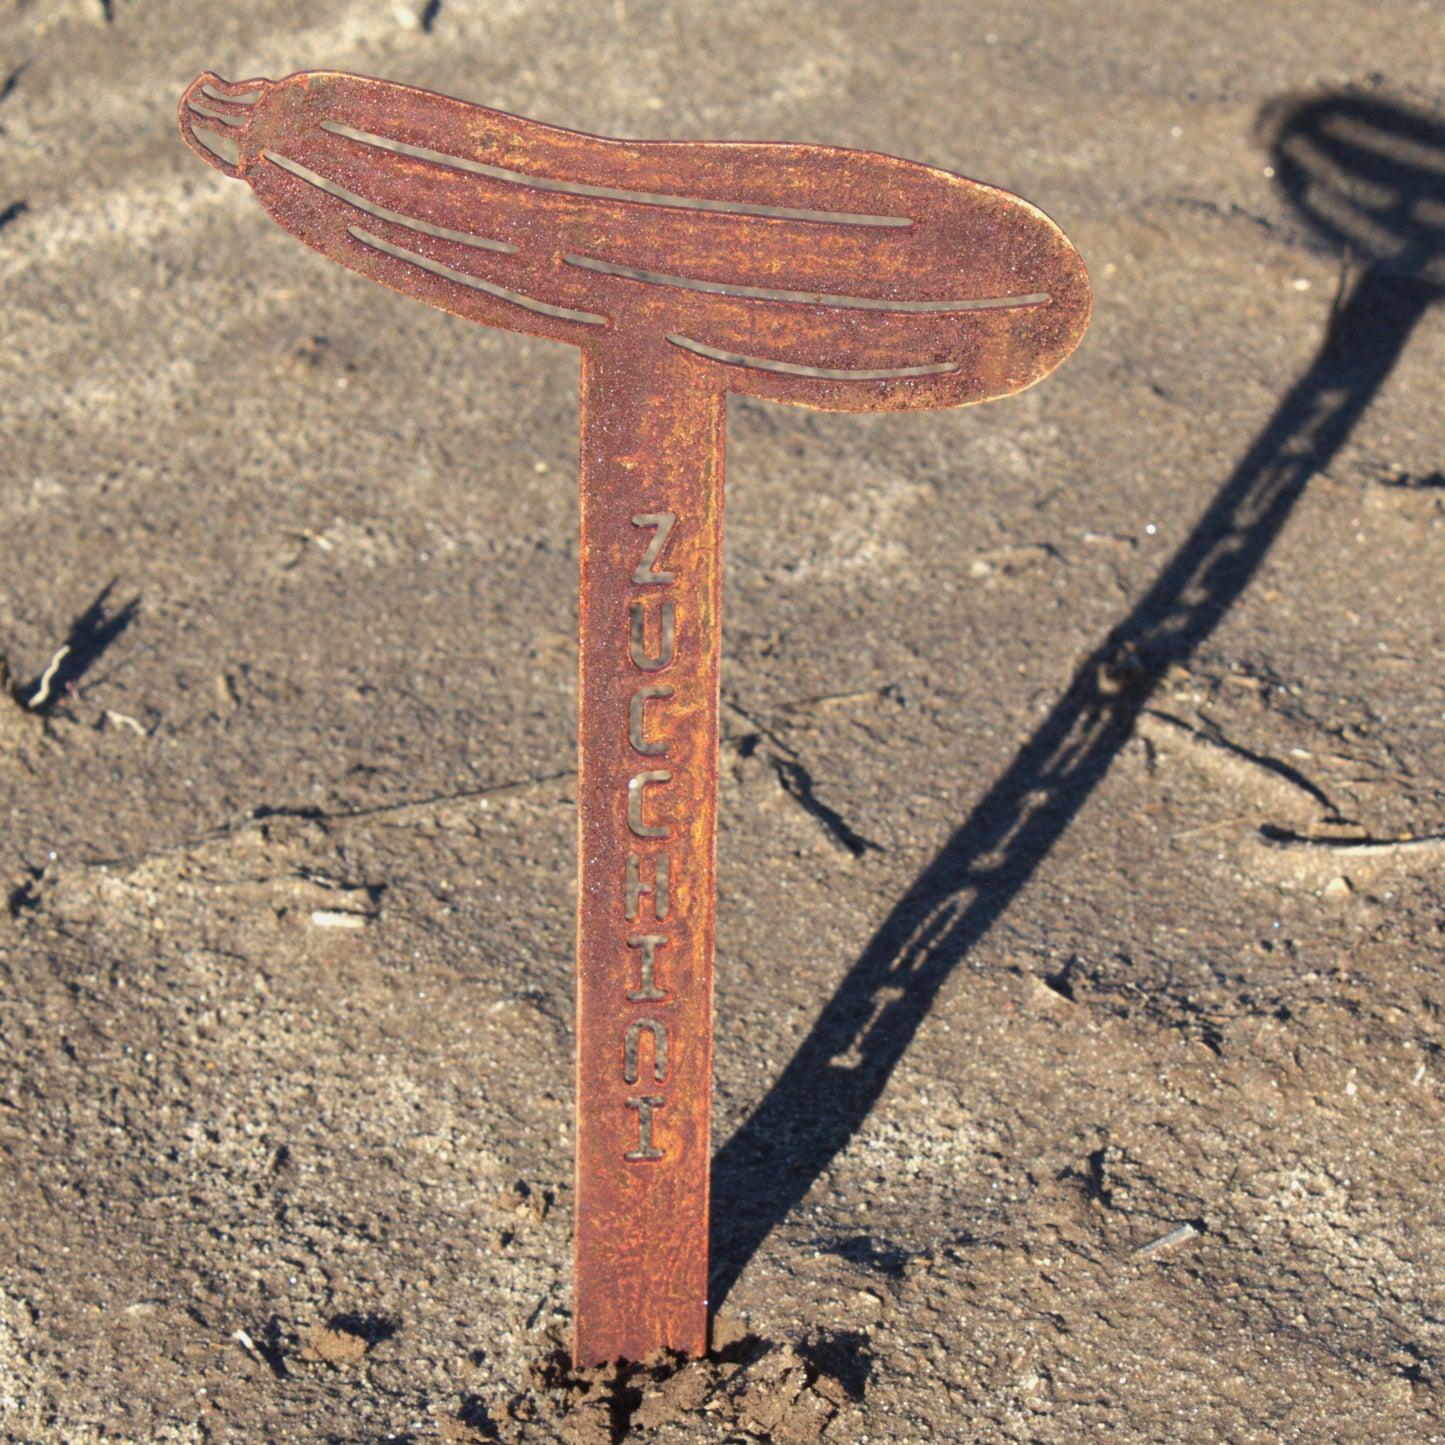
(828, 278)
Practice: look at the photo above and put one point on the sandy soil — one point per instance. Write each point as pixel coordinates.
(1080, 984)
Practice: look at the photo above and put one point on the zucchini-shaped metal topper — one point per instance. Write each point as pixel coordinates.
(828, 278)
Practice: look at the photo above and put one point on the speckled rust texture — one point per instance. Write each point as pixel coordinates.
(641, 1238)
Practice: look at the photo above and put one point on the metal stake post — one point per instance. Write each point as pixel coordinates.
(652, 500)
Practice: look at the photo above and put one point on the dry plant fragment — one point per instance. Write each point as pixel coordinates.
(41, 695)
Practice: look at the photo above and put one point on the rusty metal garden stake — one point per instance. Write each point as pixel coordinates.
(828, 278)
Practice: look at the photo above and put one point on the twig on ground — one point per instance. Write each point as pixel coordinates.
(249, 1345)
(41, 695)
(124, 720)
(338, 918)
(1208, 747)
(1168, 1241)
(1350, 847)
(1214, 827)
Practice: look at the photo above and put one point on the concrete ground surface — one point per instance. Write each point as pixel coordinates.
(1080, 996)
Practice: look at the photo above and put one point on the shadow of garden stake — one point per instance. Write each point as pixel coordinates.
(828, 278)
(1370, 177)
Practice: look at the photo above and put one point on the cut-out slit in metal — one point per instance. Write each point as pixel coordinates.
(646, 1150)
(630, 1066)
(647, 990)
(249, 97)
(647, 573)
(657, 890)
(805, 298)
(412, 223)
(605, 193)
(637, 637)
(236, 120)
(462, 278)
(223, 147)
(637, 723)
(762, 363)
(635, 788)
